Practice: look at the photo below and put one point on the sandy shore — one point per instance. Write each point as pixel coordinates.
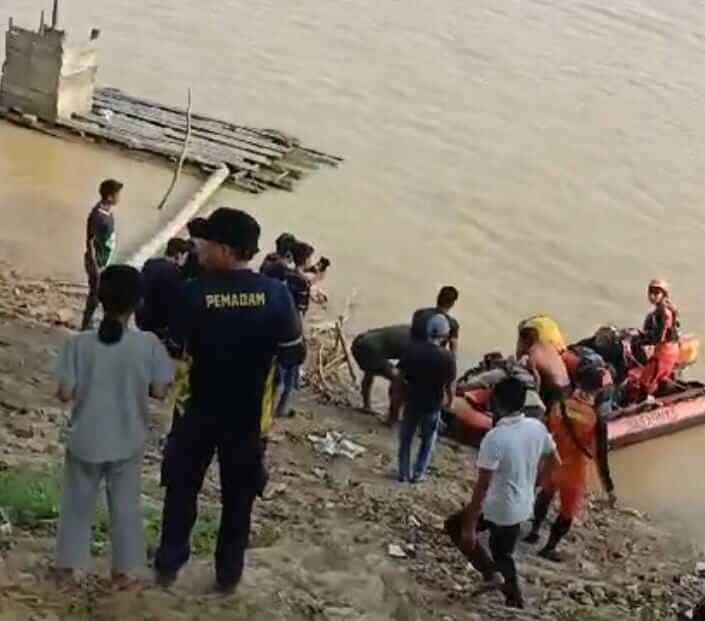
(320, 547)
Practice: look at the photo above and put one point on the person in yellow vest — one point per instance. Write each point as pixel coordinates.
(578, 426)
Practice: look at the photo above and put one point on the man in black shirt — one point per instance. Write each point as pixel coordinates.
(161, 281)
(299, 285)
(447, 298)
(427, 372)
(100, 244)
(373, 351)
(235, 325)
(276, 264)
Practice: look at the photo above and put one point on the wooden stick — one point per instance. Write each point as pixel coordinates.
(321, 370)
(336, 362)
(346, 349)
(182, 158)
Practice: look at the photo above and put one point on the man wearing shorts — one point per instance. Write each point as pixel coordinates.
(374, 352)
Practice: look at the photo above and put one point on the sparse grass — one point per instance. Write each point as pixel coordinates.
(30, 498)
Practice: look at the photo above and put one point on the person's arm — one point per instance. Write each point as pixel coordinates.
(91, 260)
(472, 512)
(163, 370)
(528, 361)
(291, 347)
(180, 319)
(452, 373)
(454, 341)
(488, 460)
(66, 373)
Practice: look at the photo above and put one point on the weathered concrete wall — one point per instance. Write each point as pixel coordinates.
(31, 71)
(45, 77)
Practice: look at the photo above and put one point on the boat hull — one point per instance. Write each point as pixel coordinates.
(632, 425)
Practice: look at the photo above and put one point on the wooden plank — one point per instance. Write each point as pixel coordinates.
(245, 149)
(158, 144)
(247, 134)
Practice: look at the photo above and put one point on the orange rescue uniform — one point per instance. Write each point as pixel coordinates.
(577, 449)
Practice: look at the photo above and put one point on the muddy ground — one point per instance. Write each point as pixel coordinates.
(320, 546)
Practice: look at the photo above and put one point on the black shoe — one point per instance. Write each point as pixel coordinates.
(515, 601)
(514, 598)
(532, 538)
(226, 588)
(166, 579)
(551, 555)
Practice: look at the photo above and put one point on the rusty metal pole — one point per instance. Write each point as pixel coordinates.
(55, 15)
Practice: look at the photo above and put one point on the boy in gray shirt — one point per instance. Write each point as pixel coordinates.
(109, 376)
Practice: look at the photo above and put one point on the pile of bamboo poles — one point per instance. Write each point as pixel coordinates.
(330, 371)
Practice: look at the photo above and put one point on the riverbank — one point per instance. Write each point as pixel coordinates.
(320, 546)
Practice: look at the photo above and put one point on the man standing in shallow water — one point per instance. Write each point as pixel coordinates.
(100, 244)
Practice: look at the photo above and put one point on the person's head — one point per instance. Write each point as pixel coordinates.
(232, 238)
(494, 360)
(509, 396)
(302, 254)
(528, 337)
(605, 337)
(589, 379)
(447, 297)
(658, 291)
(438, 330)
(177, 249)
(119, 292)
(110, 190)
(284, 245)
(197, 234)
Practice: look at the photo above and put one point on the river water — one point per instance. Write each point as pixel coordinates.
(542, 155)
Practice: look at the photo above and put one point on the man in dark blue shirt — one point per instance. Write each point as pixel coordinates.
(234, 326)
(162, 278)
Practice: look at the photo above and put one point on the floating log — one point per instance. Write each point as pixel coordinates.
(181, 219)
(256, 159)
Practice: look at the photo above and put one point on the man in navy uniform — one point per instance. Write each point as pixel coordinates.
(235, 326)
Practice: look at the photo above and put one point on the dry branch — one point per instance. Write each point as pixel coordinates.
(182, 158)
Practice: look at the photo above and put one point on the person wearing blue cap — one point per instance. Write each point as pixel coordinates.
(427, 371)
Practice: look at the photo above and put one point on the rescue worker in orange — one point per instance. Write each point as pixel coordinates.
(544, 361)
(579, 428)
(661, 332)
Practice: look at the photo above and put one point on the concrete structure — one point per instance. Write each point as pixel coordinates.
(44, 76)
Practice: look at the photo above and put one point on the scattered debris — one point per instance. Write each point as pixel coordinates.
(335, 443)
(396, 551)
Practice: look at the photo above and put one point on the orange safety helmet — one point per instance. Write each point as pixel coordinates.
(660, 285)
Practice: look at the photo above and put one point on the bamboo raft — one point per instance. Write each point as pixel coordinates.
(258, 159)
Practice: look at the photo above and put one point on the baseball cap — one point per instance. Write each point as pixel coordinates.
(234, 228)
(438, 327)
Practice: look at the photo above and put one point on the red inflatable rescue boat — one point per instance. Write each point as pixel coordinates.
(681, 406)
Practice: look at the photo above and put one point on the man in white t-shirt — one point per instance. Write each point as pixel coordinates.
(508, 465)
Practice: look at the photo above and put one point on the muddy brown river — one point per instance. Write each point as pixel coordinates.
(543, 155)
